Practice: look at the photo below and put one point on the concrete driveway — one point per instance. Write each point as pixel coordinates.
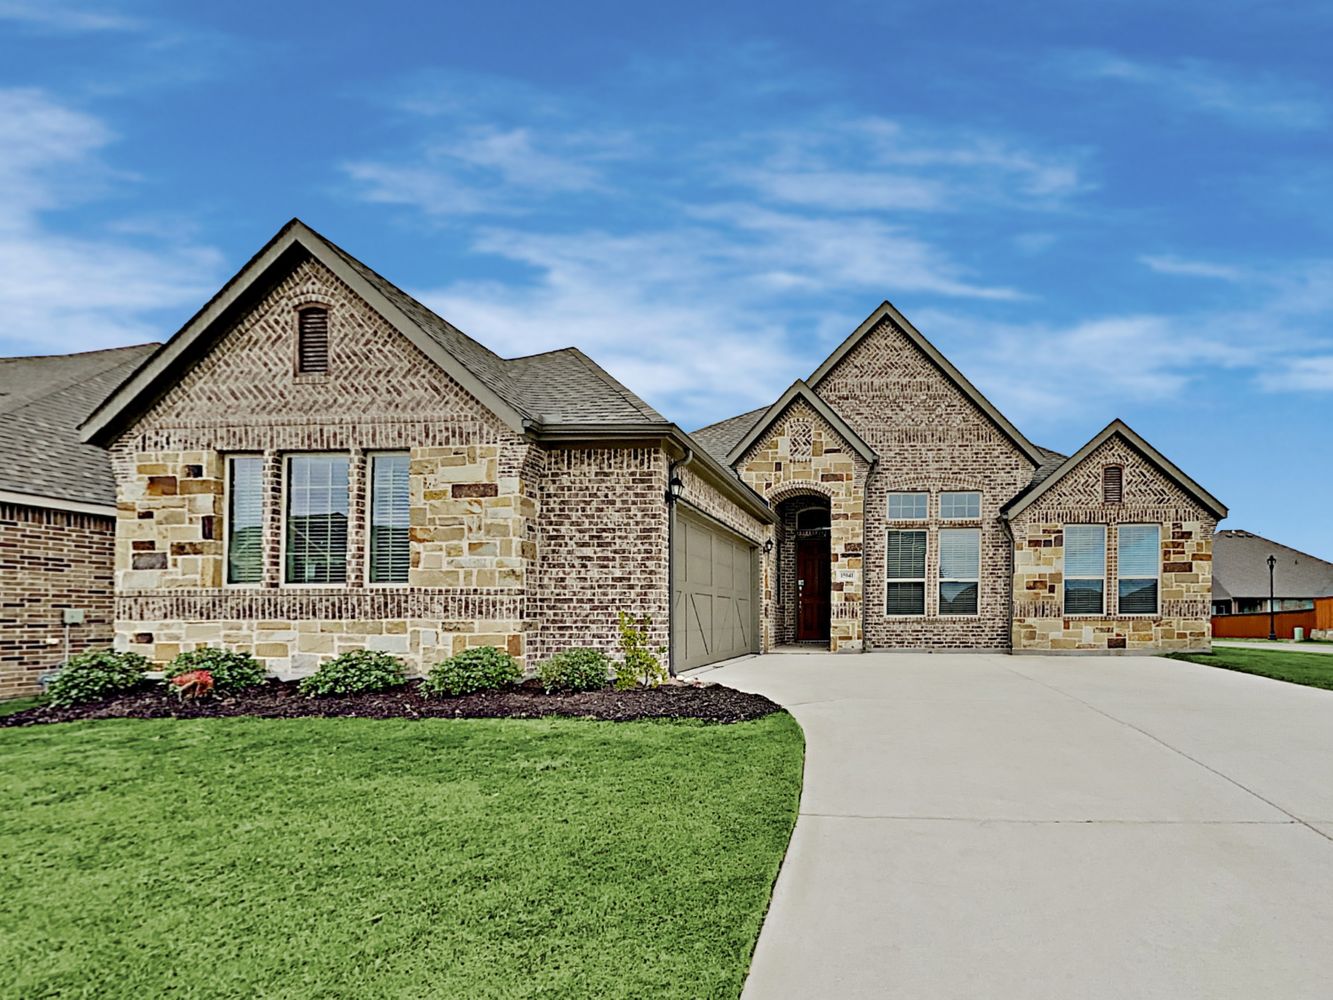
(985, 826)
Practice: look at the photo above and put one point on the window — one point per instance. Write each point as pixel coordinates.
(312, 341)
(812, 519)
(316, 519)
(1139, 557)
(959, 506)
(1085, 569)
(1113, 484)
(245, 519)
(389, 547)
(960, 570)
(907, 506)
(906, 573)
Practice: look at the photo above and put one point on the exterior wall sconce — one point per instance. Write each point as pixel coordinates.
(675, 489)
(768, 546)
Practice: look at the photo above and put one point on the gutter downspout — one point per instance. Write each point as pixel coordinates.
(1013, 567)
(680, 463)
(865, 520)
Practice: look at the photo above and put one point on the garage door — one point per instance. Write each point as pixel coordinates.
(714, 603)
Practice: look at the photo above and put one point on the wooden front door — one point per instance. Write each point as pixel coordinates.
(812, 589)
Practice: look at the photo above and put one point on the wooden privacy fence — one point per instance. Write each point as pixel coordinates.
(1323, 613)
(1254, 625)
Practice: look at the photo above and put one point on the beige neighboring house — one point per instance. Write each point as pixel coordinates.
(317, 462)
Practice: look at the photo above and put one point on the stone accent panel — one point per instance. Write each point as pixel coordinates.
(50, 560)
(929, 436)
(1185, 588)
(824, 465)
(169, 521)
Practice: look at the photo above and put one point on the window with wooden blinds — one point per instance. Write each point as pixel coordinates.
(312, 341)
(1113, 484)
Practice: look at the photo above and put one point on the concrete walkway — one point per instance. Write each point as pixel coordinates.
(1325, 648)
(984, 826)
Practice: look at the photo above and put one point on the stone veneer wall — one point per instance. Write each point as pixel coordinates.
(801, 455)
(474, 496)
(603, 529)
(50, 560)
(929, 437)
(1185, 590)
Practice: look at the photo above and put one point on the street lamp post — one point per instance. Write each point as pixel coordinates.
(1272, 622)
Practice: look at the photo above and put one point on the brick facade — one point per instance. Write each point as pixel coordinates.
(50, 560)
(1184, 613)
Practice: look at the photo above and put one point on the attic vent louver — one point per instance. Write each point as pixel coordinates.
(1113, 484)
(312, 350)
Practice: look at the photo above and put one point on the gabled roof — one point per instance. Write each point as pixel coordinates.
(720, 437)
(42, 401)
(1240, 568)
(525, 393)
(887, 311)
(800, 390)
(1118, 428)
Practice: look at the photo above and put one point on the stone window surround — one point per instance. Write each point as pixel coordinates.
(1111, 597)
(273, 546)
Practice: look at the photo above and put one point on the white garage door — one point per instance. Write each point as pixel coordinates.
(714, 603)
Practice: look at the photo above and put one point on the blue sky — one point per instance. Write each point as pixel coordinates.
(1095, 211)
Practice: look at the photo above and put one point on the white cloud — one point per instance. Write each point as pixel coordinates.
(53, 15)
(1200, 86)
(67, 293)
(1307, 374)
(1192, 268)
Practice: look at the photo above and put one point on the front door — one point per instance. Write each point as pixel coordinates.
(812, 589)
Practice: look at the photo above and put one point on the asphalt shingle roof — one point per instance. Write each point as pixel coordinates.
(719, 438)
(42, 402)
(1240, 568)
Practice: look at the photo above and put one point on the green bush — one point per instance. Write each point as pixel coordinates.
(482, 668)
(576, 670)
(93, 675)
(641, 665)
(230, 670)
(359, 671)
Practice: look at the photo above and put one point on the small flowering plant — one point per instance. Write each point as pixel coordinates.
(192, 684)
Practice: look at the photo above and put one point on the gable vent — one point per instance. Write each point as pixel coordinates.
(312, 349)
(1113, 484)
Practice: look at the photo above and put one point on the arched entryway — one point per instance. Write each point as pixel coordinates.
(804, 570)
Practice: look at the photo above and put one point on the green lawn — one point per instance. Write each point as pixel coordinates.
(1313, 669)
(357, 858)
(13, 705)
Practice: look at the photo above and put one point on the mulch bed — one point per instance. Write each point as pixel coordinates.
(279, 700)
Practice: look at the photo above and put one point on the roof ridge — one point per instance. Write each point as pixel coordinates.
(616, 385)
(1246, 533)
(76, 354)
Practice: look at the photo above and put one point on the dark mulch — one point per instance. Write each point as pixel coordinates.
(279, 700)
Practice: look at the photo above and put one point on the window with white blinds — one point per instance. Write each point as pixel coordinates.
(312, 341)
(960, 570)
(316, 530)
(905, 569)
(245, 519)
(1138, 560)
(1085, 569)
(389, 545)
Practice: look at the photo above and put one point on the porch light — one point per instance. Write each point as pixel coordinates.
(768, 546)
(675, 489)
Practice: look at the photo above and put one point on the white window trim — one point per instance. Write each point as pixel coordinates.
(1157, 608)
(1065, 576)
(923, 580)
(939, 602)
(282, 524)
(370, 517)
(226, 522)
(888, 510)
(967, 517)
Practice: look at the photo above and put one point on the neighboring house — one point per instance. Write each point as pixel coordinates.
(317, 462)
(57, 512)
(1240, 575)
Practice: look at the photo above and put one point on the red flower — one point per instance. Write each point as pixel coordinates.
(193, 683)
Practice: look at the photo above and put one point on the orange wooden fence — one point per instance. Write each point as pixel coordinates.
(1254, 625)
(1323, 613)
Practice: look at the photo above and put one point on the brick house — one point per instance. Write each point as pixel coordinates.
(317, 462)
(57, 512)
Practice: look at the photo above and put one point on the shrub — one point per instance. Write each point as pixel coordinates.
(641, 665)
(230, 670)
(192, 684)
(93, 675)
(359, 671)
(482, 668)
(576, 670)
